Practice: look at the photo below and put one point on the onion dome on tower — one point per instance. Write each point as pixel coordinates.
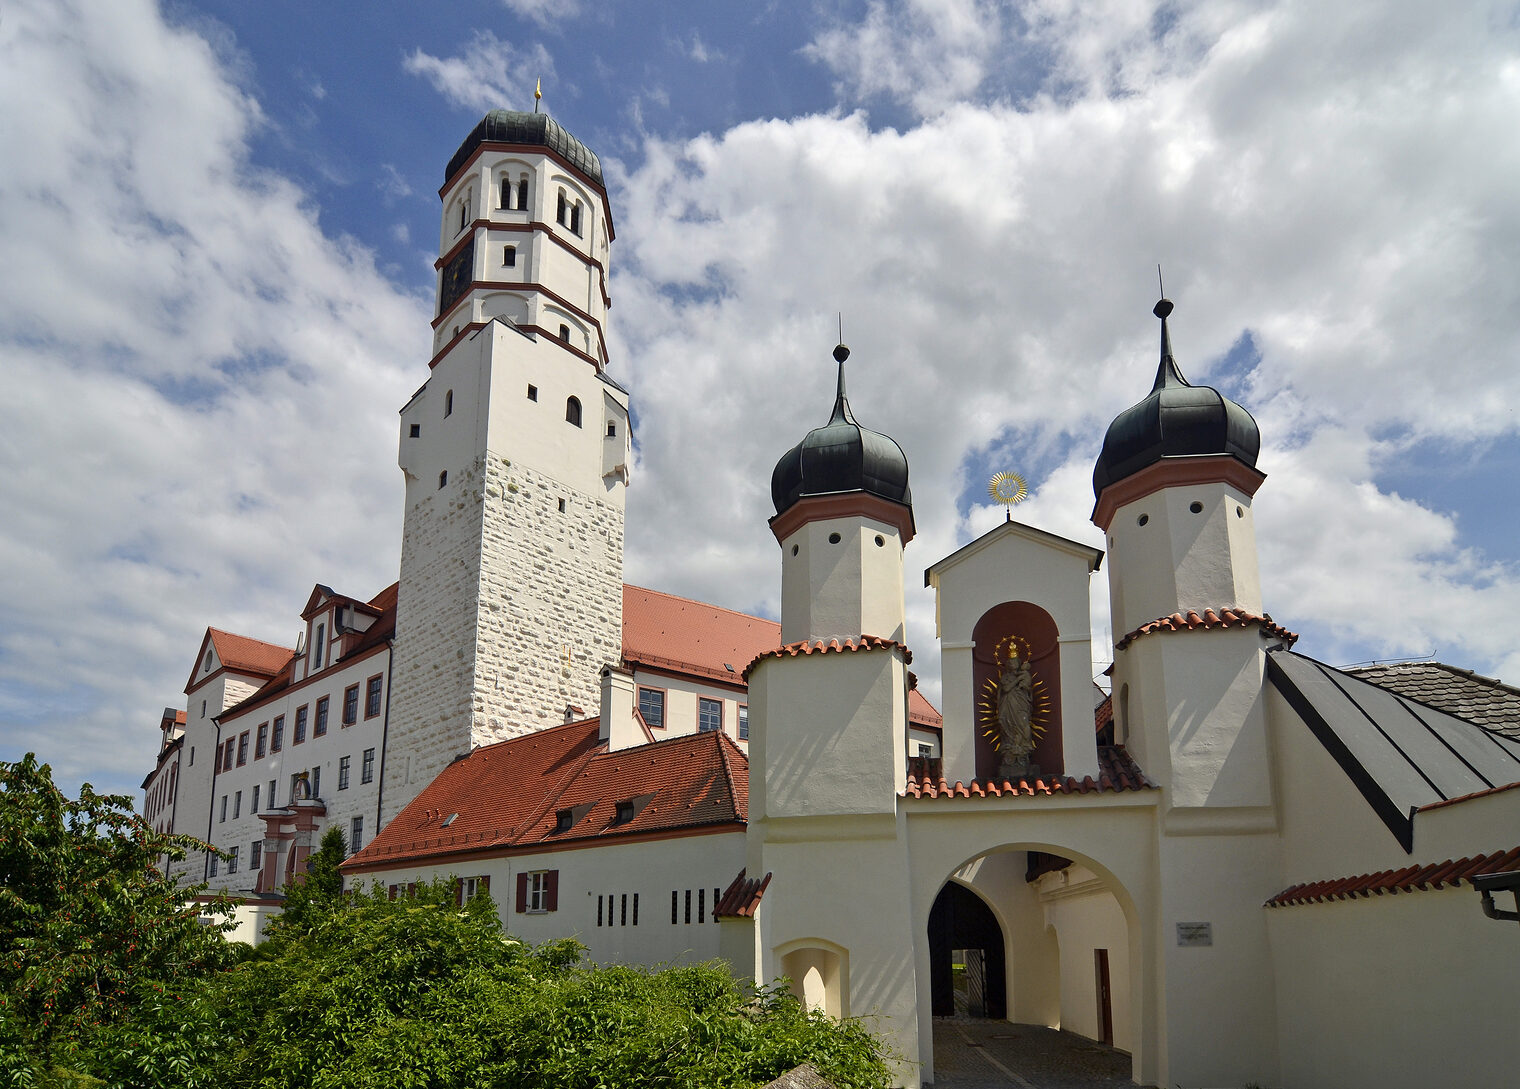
(531, 129)
(842, 457)
(1176, 420)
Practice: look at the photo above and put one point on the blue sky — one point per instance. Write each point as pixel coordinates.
(219, 221)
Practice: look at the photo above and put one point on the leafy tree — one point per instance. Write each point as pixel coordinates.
(89, 926)
(320, 894)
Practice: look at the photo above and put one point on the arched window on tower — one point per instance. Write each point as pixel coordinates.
(464, 209)
(575, 218)
(506, 192)
(564, 333)
(573, 411)
(559, 212)
(448, 403)
(522, 193)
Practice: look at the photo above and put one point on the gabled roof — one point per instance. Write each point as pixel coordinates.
(1410, 879)
(1093, 556)
(1486, 701)
(1401, 754)
(506, 797)
(240, 654)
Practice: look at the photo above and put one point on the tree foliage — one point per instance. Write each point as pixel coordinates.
(315, 897)
(89, 927)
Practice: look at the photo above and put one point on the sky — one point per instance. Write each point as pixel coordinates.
(218, 222)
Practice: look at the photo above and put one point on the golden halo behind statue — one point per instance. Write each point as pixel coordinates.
(1008, 488)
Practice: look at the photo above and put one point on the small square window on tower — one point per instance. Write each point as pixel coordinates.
(443, 478)
(415, 431)
(532, 392)
(509, 257)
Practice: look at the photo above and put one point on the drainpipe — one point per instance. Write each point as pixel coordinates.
(385, 729)
(216, 770)
(1489, 883)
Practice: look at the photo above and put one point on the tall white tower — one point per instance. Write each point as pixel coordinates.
(515, 452)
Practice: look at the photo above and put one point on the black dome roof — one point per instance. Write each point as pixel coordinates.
(1175, 420)
(515, 127)
(841, 456)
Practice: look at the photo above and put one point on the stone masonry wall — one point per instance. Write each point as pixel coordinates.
(508, 608)
(433, 657)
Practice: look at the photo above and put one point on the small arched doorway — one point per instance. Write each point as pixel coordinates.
(967, 958)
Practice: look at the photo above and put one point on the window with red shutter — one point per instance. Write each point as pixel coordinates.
(522, 893)
(551, 891)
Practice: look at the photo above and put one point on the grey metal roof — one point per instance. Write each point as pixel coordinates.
(1401, 754)
(841, 456)
(534, 129)
(1176, 419)
(1490, 703)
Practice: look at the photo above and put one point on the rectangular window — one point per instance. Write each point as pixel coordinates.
(243, 748)
(256, 854)
(213, 865)
(254, 808)
(320, 726)
(343, 772)
(271, 793)
(372, 696)
(688, 905)
(532, 392)
(277, 739)
(227, 753)
(635, 909)
(623, 910)
(318, 648)
(715, 905)
(223, 818)
(471, 887)
(743, 722)
(675, 907)
(300, 734)
(261, 743)
(367, 768)
(598, 911)
(232, 861)
(355, 835)
(709, 715)
(316, 782)
(538, 891)
(652, 707)
(509, 257)
(701, 905)
(351, 705)
(237, 804)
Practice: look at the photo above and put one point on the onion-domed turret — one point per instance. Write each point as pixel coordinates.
(1176, 420)
(841, 457)
(533, 129)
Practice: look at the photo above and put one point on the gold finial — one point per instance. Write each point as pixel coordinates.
(538, 92)
(1008, 489)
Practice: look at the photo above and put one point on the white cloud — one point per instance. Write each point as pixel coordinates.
(203, 385)
(545, 12)
(1337, 184)
(489, 73)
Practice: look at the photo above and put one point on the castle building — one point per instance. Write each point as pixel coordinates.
(1247, 867)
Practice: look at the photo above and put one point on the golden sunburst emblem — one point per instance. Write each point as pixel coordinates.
(1008, 489)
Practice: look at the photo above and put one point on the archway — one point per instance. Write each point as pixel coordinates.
(968, 968)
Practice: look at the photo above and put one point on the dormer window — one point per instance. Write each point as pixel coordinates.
(563, 820)
(624, 812)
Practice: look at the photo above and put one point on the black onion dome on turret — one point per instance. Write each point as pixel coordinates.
(841, 457)
(534, 129)
(1175, 420)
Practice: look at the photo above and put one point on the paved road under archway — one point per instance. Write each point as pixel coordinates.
(982, 1054)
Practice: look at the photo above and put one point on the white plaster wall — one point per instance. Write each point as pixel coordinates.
(827, 734)
(1086, 918)
(1180, 560)
(249, 922)
(653, 869)
(681, 695)
(1033, 957)
(195, 788)
(1395, 992)
(843, 590)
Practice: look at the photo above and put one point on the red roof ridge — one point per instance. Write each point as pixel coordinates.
(1415, 878)
(742, 896)
(1444, 802)
(819, 646)
(1223, 618)
(1117, 772)
(557, 791)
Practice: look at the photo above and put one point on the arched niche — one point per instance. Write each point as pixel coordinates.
(818, 971)
(1025, 628)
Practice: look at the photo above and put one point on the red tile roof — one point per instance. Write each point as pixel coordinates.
(663, 631)
(507, 796)
(742, 897)
(818, 646)
(1193, 621)
(243, 654)
(1117, 771)
(1411, 878)
(1103, 714)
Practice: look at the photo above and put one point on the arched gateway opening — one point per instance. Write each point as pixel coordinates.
(968, 964)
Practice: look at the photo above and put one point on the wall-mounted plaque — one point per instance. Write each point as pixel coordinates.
(1195, 933)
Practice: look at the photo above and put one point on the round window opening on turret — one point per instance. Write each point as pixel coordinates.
(794, 550)
(1196, 507)
(833, 538)
(1240, 512)
(1144, 518)
(881, 542)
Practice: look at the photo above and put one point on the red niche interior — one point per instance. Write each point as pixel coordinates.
(1033, 629)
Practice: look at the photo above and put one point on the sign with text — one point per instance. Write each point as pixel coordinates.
(1195, 933)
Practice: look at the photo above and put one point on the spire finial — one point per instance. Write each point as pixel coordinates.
(841, 353)
(538, 92)
(1167, 374)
